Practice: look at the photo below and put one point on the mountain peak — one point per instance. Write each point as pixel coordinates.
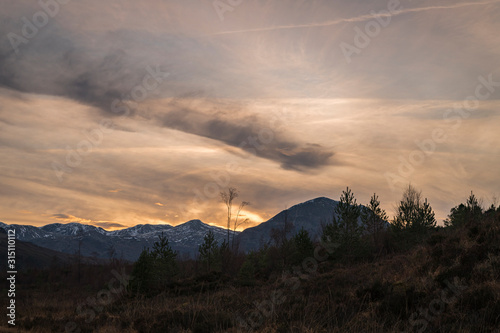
(310, 215)
(192, 224)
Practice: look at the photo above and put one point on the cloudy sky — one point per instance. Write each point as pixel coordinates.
(119, 112)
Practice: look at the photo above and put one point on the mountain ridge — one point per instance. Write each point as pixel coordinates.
(185, 238)
(126, 243)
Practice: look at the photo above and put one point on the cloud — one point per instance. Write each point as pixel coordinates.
(361, 18)
(69, 72)
(69, 218)
(250, 135)
(109, 225)
(102, 224)
(95, 51)
(61, 216)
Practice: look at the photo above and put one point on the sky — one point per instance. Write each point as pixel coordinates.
(116, 113)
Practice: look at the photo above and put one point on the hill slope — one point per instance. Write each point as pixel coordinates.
(126, 244)
(310, 215)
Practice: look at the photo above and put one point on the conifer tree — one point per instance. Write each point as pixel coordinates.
(374, 218)
(209, 251)
(345, 228)
(413, 214)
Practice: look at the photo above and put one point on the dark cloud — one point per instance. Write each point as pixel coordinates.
(107, 225)
(61, 216)
(70, 72)
(251, 135)
(102, 224)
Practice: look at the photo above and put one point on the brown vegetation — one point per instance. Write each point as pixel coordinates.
(447, 281)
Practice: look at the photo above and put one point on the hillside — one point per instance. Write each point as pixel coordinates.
(185, 238)
(446, 280)
(29, 255)
(125, 244)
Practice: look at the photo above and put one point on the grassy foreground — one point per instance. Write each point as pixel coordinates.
(448, 283)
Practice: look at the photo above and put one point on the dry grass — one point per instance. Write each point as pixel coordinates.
(379, 296)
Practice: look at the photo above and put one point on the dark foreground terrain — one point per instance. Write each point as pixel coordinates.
(444, 281)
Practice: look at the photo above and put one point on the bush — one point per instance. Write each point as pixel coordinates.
(155, 269)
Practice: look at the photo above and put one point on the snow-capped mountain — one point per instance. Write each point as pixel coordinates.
(73, 229)
(29, 255)
(141, 229)
(127, 243)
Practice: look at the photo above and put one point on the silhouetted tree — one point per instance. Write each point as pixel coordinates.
(470, 212)
(283, 247)
(227, 198)
(303, 246)
(142, 274)
(165, 259)
(279, 235)
(154, 269)
(246, 274)
(238, 223)
(345, 228)
(209, 251)
(374, 218)
(413, 214)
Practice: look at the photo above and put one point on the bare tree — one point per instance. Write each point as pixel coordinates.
(280, 235)
(79, 237)
(227, 198)
(239, 223)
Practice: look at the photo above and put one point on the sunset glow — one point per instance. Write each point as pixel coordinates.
(114, 115)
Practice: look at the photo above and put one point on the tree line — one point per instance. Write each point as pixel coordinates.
(358, 233)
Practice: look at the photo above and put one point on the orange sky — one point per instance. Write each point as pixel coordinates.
(123, 113)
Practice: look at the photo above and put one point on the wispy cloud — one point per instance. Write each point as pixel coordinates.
(224, 91)
(109, 225)
(103, 224)
(361, 18)
(246, 134)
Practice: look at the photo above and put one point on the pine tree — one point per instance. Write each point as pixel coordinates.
(348, 213)
(303, 246)
(457, 216)
(209, 251)
(374, 218)
(246, 274)
(164, 263)
(142, 273)
(471, 212)
(413, 214)
(426, 218)
(345, 229)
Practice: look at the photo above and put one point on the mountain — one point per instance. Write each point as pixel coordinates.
(29, 255)
(310, 215)
(185, 238)
(128, 243)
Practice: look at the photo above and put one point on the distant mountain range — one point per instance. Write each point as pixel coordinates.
(29, 255)
(185, 238)
(126, 243)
